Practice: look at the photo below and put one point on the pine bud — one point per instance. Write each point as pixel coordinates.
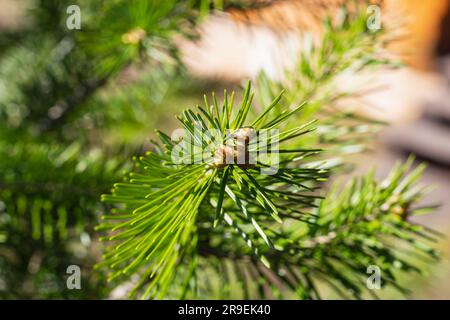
(224, 155)
(244, 134)
(237, 153)
(134, 36)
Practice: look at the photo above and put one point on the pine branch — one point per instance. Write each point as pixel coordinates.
(356, 226)
(163, 204)
(174, 215)
(224, 226)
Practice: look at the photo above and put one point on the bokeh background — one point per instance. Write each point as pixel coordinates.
(234, 46)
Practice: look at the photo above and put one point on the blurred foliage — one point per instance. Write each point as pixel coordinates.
(346, 47)
(48, 208)
(357, 225)
(75, 105)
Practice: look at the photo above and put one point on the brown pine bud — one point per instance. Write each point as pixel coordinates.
(134, 36)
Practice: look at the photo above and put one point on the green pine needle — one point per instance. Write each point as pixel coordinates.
(162, 202)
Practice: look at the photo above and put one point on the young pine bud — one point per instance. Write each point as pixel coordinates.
(238, 152)
(134, 36)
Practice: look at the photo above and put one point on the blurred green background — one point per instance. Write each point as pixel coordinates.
(73, 111)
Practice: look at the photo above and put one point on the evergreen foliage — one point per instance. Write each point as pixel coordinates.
(73, 117)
